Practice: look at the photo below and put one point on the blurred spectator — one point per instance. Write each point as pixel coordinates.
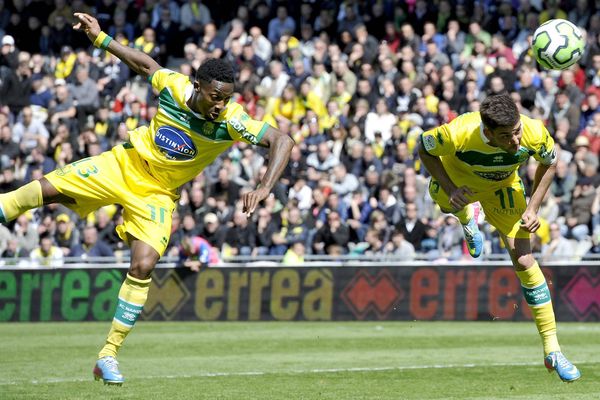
(26, 233)
(412, 228)
(292, 230)
(332, 238)
(559, 248)
(194, 12)
(212, 230)
(47, 254)
(196, 253)
(9, 149)
(240, 238)
(282, 24)
(400, 247)
(295, 254)
(66, 236)
(91, 246)
(85, 96)
(579, 217)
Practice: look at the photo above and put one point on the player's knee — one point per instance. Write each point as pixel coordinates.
(142, 267)
(524, 261)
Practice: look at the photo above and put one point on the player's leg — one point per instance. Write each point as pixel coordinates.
(503, 209)
(132, 297)
(32, 195)
(146, 227)
(467, 216)
(537, 295)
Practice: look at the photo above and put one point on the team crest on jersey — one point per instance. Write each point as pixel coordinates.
(174, 143)
(428, 142)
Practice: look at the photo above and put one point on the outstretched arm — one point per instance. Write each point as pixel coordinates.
(457, 196)
(280, 146)
(544, 175)
(137, 60)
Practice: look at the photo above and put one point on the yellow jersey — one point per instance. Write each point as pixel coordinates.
(180, 143)
(470, 160)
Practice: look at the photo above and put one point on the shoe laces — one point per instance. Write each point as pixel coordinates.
(562, 361)
(111, 364)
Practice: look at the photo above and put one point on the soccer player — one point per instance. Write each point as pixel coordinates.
(475, 158)
(195, 122)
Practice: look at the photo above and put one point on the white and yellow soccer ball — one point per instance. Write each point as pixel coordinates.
(557, 44)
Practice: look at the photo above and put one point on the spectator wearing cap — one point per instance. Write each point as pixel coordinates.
(586, 161)
(212, 230)
(66, 235)
(9, 55)
(66, 63)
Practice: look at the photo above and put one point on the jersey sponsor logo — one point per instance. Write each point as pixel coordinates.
(428, 142)
(241, 129)
(494, 175)
(174, 144)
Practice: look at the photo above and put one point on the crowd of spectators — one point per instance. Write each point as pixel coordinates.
(354, 82)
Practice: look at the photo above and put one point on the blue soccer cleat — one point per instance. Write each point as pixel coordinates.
(473, 237)
(107, 369)
(556, 361)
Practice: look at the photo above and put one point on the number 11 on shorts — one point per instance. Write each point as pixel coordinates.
(161, 213)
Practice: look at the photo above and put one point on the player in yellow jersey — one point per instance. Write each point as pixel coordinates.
(195, 122)
(475, 158)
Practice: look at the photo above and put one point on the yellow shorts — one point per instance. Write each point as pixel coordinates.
(503, 208)
(120, 176)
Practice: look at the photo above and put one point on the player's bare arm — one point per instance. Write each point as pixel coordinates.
(457, 195)
(280, 146)
(137, 60)
(544, 175)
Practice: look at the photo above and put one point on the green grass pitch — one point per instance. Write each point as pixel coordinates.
(298, 360)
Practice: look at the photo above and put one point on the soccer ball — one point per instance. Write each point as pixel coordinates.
(557, 44)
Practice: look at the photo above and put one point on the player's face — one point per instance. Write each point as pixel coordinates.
(210, 99)
(507, 138)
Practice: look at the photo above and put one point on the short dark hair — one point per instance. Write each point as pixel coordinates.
(216, 69)
(499, 110)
